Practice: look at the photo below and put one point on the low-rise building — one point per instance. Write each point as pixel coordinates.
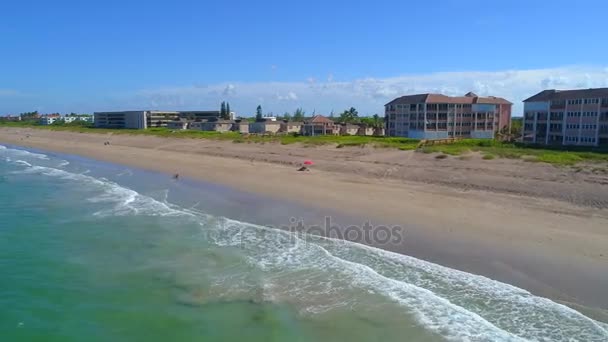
(202, 115)
(291, 127)
(349, 129)
(50, 119)
(126, 119)
(212, 126)
(365, 130)
(10, 118)
(320, 125)
(143, 119)
(218, 126)
(178, 125)
(379, 131)
(241, 127)
(437, 116)
(567, 117)
(45, 121)
(265, 127)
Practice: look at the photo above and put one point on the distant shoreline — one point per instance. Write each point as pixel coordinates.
(554, 247)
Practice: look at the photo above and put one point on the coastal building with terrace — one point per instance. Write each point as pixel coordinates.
(143, 119)
(320, 125)
(567, 117)
(437, 116)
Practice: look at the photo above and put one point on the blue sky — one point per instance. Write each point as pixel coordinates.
(83, 56)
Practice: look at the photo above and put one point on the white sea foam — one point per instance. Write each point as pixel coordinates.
(454, 304)
(22, 162)
(125, 201)
(23, 153)
(497, 302)
(126, 172)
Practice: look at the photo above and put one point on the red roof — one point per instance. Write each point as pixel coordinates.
(320, 119)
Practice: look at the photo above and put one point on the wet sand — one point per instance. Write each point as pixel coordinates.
(532, 225)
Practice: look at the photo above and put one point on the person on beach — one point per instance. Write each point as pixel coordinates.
(176, 176)
(305, 165)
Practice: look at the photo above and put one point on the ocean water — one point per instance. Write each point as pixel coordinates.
(98, 252)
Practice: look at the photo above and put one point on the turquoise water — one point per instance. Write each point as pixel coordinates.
(96, 252)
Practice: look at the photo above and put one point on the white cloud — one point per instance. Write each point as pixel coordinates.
(229, 90)
(290, 96)
(368, 95)
(9, 92)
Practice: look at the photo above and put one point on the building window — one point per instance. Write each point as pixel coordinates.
(575, 102)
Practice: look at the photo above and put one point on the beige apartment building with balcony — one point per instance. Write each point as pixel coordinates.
(437, 116)
(567, 117)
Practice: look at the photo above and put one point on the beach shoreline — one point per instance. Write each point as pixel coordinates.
(553, 247)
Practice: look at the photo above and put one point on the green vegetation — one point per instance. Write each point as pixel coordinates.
(558, 155)
(298, 115)
(349, 116)
(258, 113)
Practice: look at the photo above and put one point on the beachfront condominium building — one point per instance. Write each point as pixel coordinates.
(437, 116)
(143, 119)
(567, 117)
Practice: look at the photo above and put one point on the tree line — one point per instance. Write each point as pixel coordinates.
(348, 116)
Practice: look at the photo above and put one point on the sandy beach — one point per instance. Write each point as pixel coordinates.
(536, 226)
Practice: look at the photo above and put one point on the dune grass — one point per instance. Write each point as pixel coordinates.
(495, 149)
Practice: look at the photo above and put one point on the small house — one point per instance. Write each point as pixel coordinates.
(291, 127)
(263, 127)
(349, 129)
(379, 131)
(178, 125)
(241, 127)
(365, 130)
